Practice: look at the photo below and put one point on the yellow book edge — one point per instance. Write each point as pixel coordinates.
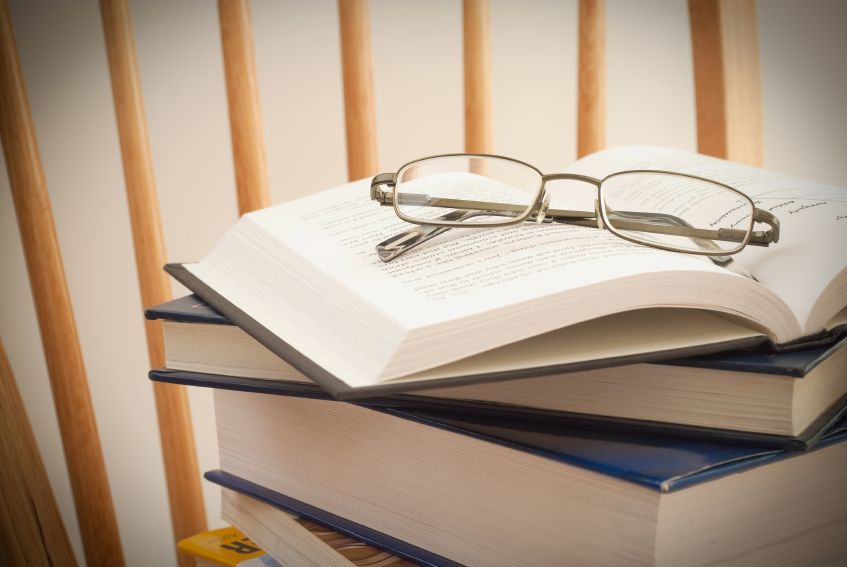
(223, 546)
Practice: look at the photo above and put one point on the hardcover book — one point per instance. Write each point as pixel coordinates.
(447, 490)
(303, 279)
(784, 398)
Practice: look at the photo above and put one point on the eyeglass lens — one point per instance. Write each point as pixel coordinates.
(676, 211)
(492, 190)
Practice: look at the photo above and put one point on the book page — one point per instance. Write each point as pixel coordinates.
(812, 249)
(464, 271)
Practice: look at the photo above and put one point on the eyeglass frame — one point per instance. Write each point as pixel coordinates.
(540, 212)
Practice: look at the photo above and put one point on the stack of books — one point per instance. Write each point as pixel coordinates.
(486, 403)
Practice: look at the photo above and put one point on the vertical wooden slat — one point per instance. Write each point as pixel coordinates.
(708, 78)
(727, 79)
(31, 528)
(591, 103)
(178, 449)
(245, 117)
(74, 410)
(477, 56)
(357, 70)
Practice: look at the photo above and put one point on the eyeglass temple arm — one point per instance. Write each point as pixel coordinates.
(400, 243)
(663, 223)
(723, 260)
(403, 242)
(406, 240)
(645, 222)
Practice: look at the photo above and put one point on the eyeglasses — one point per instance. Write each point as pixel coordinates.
(661, 209)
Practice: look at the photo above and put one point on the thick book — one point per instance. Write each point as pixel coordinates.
(509, 414)
(481, 494)
(784, 398)
(303, 279)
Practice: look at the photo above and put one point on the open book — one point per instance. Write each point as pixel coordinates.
(304, 280)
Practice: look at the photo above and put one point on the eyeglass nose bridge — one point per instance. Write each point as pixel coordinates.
(543, 202)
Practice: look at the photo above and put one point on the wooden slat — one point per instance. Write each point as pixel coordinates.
(727, 79)
(591, 104)
(357, 70)
(31, 528)
(477, 56)
(245, 116)
(74, 410)
(708, 78)
(178, 448)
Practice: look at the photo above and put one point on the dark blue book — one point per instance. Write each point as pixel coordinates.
(787, 399)
(445, 490)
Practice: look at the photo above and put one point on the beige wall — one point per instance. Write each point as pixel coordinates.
(417, 52)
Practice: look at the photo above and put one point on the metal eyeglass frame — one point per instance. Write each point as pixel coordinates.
(539, 211)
